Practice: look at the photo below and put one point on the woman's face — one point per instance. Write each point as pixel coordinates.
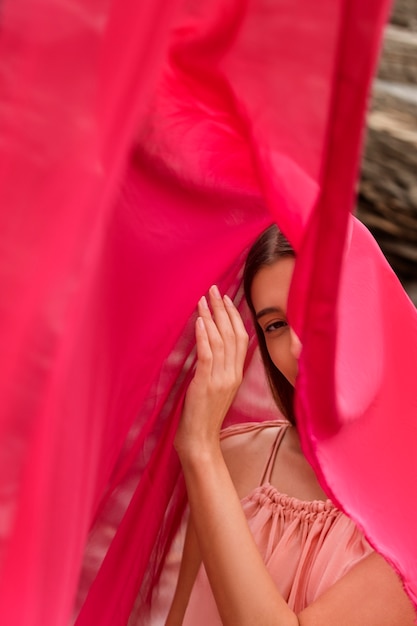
(269, 292)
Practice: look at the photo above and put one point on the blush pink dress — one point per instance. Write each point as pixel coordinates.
(306, 545)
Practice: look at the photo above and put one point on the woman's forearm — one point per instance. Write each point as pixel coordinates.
(243, 589)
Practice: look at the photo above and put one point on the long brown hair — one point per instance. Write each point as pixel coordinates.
(267, 249)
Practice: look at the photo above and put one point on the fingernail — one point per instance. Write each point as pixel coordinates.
(203, 302)
(228, 300)
(214, 290)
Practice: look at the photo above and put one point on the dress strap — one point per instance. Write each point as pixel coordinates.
(269, 466)
(247, 427)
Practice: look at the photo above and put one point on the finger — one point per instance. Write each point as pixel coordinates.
(225, 328)
(241, 335)
(204, 352)
(213, 335)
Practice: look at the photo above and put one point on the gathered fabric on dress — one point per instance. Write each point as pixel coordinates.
(307, 546)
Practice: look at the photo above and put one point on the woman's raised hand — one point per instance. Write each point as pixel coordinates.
(222, 343)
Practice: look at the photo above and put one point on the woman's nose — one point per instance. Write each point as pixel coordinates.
(295, 344)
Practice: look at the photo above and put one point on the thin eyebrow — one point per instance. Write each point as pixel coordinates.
(268, 311)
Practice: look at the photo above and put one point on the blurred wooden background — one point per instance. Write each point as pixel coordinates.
(388, 187)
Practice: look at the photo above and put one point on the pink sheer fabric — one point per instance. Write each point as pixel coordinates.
(241, 113)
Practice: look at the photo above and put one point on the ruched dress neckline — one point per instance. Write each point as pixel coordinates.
(307, 546)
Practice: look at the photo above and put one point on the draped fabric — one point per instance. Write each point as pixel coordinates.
(144, 146)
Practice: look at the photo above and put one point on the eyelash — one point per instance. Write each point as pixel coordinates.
(279, 324)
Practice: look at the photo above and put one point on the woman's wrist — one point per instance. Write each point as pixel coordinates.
(198, 451)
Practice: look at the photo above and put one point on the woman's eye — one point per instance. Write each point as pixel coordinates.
(273, 326)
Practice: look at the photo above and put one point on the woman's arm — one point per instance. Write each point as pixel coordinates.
(370, 594)
(190, 563)
(242, 586)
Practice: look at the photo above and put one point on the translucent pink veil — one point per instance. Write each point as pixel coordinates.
(143, 148)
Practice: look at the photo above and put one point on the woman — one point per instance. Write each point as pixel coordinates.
(275, 550)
